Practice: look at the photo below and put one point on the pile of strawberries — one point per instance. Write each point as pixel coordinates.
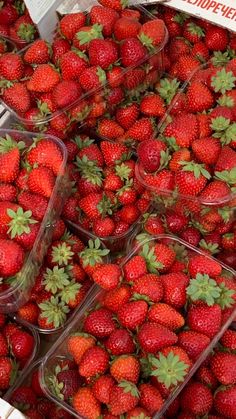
(212, 391)
(28, 171)
(140, 338)
(62, 83)
(16, 23)
(17, 349)
(30, 399)
(107, 199)
(64, 279)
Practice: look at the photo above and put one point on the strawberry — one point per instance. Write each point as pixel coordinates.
(228, 339)
(165, 315)
(94, 361)
(126, 116)
(118, 5)
(102, 388)
(223, 367)
(141, 130)
(37, 53)
(203, 265)
(17, 97)
(100, 323)
(200, 51)
(125, 368)
(150, 398)
(6, 369)
(124, 397)
(115, 298)
(22, 344)
(120, 342)
(92, 78)
(108, 128)
(102, 53)
(3, 345)
(104, 16)
(60, 47)
(165, 256)
(152, 105)
(44, 79)
(150, 286)
(205, 319)
(41, 181)
(70, 24)
(126, 27)
(29, 312)
(179, 156)
(184, 130)
(152, 154)
(7, 192)
(35, 203)
(9, 159)
(65, 93)
(11, 66)
(206, 376)
(113, 153)
(174, 285)
(104, 227)
(136, 412)
(78, 344)
(132, 314)
(186, 66)
(152, 33)
(152, 337)
(8, 14)
(215, 191)
(224, 401)
(199, 97)
(46, 153)
(12, 258)
(72, 65)
(107, 276)
(216, 38)
(85, 403)
(196, 398)
(192, 32)
(132, 52)
(192, 179)
(135, 268)
(207, 150)
(193, 343)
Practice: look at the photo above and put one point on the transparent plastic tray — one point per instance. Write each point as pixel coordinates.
(33, 356)
(153, 62)
(53, 334)
(59, 349)
(15, 296)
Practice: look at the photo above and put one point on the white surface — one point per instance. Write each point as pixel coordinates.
(16, 415)
(5, 409)
(38, 8)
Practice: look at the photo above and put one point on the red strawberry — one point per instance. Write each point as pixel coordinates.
(165, 315)
(7, 192)
(132, 314)
(72, 65)
(228, 339)
(78, 344)
(135, 268)
(118, 5)
(102, 53)
(124, 397)
(37, 53)
(44, 79)
(60, 47)
(205, 319)
(120, 342)
(11, 66)
(104, 227)
(35, 203)
(152, 105)
(115, 298)
(104, 16)
(100, 323)
(151, 154)
(152, 337)
(141, 130)
(108, 276)
(6, 369)
(184, 129)
(199, 97)
(224, 401)
(196, 398)
(85, 403)
(29, 312)
(193, 343)
(132, 52)
(12, 258)
(174, 285)
(41, 181)
(165, 256)
(125, 367)
(150, 398)
(216, 38)
(3, 345)
(150, 286)
(192, 179)
(102, 388)
(9, 159)
(223, 367)
(94, 361)
(46, 153)
(186, 66)
(127, 115)
(23, 396)
(204, 265)
(113, 153)
(126, 28)
(17, 97)
(207, 149)
(71, 23)
(152, 33)
(66, 93)
(22, 344)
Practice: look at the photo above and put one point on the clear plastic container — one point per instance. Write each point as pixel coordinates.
(16, 295)
(59, 349)
(153, 64)
(25, 380)
(10, 45)
(53, 334)
(31, 359)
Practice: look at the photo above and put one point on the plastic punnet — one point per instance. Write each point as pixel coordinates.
(152, 64)
(16, 295)
(59, 350)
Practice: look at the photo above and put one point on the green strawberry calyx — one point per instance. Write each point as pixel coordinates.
(225, 100)
(55, 386)
(223, 81)
(93, 253)
(167, 89)
(8, 143)
(152, 263)
(105, 206)
(169, 370)
(26, 32)
(20, 222)
(147, 41)
(123, 171)
(197, 169)
(203, 288)
(89, 170)
(82, 143)
(55, 279)
(62, 254)
(225, 299)
(220, 58)
(194, 29)
(86, 36)
(54, 311)
(70, 291)
(228, 176)
(212, 247)
(101, 75)
(129, 387)
(224, 130)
